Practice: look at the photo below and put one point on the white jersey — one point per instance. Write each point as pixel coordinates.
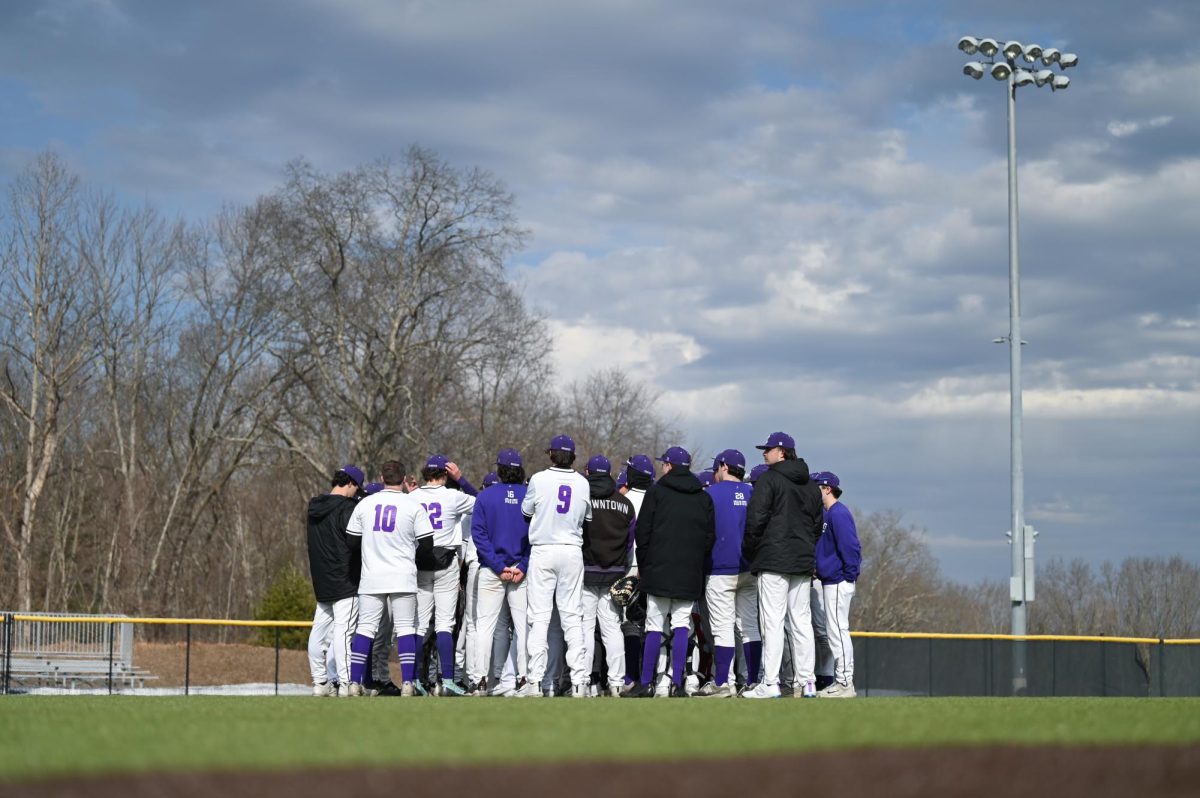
(636, 497)
(468, 543)
(389, 523)
(445, 507)
(558, 501)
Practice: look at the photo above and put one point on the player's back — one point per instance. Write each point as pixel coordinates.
(445, 508)
(557, 503)
(389, 522)
(730, 500)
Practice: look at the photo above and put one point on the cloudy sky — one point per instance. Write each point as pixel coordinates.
(782, 215)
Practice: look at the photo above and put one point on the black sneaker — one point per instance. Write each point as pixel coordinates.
(638, 690)
(389, 689)
(677, 691)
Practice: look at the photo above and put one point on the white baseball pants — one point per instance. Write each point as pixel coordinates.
(660, 610)
(382, 647)
(556, 580)
(824, 654)
(785, 598)
(732, 601)
(492, 597)
(597, 606)
(437, 598)
(837, 610)
(466, 646)
(402, 606)
(333, 627)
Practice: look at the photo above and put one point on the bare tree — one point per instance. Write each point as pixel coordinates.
(899, 582)
(611, 413)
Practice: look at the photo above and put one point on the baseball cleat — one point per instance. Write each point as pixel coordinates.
(711, 690)
(581, 691)
(408, 690)
(837, 690)
(662, 688)
(389, 689)
(788, 691)
(763, 691)
(502, 690)
(678, 691)
(419, 688)
(324, 690)
(351, 690)
(614, 691)
(528, 690)
(638, 690)
(692, 683)
(809, 690)
(451, 689)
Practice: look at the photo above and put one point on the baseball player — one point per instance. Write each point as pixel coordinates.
(501, 536)
(333, 561)
(639, 476)
(607, 540)
(757, 472)
(556, 502)
(392, 525)
(783, 522)
(839, 557)
(731, 591)
(438, 568)
(675, 533)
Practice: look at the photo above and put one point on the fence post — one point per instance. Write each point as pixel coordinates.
(276, 660)
(111, 629)
(8, 623)
(931, 667)
(1103, 669)
(1161, 655)
(187, 661)
(1053, 667)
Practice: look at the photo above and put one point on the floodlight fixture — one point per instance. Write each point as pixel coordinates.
(1001, 71)
(969, 45)
(1050, 55)
(988, 47)
(973, 69)
(1060, 82)
(1032, 53)
(1043, 76)
(1068, 60)
(1013, 50)
(1022, 77)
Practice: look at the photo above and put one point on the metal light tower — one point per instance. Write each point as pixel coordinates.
(1008, 70)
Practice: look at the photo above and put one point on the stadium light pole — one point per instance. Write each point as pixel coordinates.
(1004, 64)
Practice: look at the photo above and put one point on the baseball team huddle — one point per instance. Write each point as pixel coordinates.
(717, 584)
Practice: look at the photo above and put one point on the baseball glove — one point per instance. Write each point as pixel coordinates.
(625, 591)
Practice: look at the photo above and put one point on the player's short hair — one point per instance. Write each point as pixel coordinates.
(392, 472)
(789, 454)
(341, 479)
(562, 459)
(737, 472)
(511, 475)
(837, 493)
(429, 474)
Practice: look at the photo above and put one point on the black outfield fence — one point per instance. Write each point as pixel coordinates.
(981, 665)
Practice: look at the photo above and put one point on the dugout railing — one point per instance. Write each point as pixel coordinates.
(886, 663)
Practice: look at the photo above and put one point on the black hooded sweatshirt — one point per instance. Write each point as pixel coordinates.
(333, 556)
(606, 538)
(783, 521)
(675, 532)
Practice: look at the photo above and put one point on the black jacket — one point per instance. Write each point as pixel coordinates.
(675, 532)
(606, 536)
(333, 556)
(783, 521)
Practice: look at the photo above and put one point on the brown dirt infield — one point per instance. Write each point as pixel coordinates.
(923, 773)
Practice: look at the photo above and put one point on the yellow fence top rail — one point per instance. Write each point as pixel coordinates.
(890, 635)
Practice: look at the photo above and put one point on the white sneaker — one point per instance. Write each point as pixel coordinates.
(614, 690)
(691, 683)
(530, 690)
(809, 691)
(763, 691)
(662, 688)
(711, 690)
(502, 690)
(354, 689)
(408, 690)
(581, 691)
(324, 690)
(838, 690)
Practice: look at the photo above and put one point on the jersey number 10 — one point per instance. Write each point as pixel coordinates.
(385, 518)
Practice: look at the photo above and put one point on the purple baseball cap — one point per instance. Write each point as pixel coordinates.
(622, 479)
(826, 478)
(438, 461)
(599, 465)
(561, 443)
(705, 477)
(757, 472)
(730, 457)
(354, 472)
(372, 488)
(642, 463)
(509, 457)
(778, 439)
(491, 479)
(676, 455)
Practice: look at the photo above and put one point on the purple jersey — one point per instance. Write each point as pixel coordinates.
(499, 529)
(839, 555)
(729, 508)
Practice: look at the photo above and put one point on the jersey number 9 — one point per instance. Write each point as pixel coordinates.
(564, 499)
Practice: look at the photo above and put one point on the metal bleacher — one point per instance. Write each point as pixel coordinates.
(71, 654)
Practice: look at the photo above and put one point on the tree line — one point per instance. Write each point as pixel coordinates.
(171, 392)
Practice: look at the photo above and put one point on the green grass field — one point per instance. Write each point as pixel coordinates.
(54, 736)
